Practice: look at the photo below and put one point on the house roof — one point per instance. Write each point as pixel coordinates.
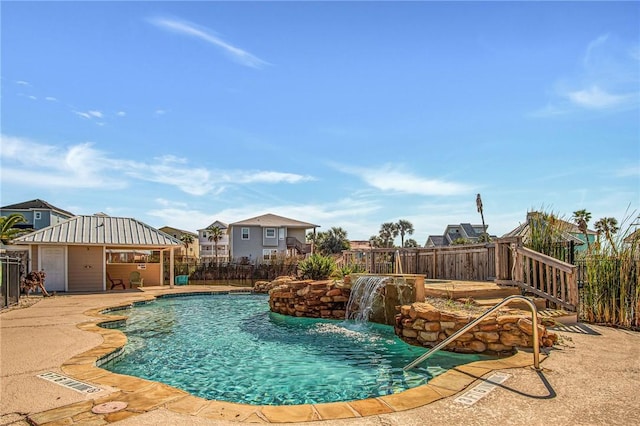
(523, 230)
(170, 229)
(634, 236)
(100, 230)
(275, 221)
(36, 204)
(217, 224)
(437, 240)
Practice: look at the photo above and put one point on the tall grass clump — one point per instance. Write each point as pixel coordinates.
(611, 281)
(547, 234)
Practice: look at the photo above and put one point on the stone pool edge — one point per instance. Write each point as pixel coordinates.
(143, 395)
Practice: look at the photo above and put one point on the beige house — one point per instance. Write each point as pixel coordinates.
(190, 251)
(81, 253)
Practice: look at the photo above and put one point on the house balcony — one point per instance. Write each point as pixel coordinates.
(300, 247)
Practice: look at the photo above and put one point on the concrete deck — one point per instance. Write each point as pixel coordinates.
(592, 377)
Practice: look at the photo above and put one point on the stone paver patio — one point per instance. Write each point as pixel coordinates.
(61, 335)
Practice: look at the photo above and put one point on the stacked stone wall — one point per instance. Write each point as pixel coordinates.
(419, 324)
(313, 299)
(425, 325)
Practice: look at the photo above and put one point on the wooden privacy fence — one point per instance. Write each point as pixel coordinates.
(465, 263)
(504, 261)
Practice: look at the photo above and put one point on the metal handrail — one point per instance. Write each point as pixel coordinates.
(454, 336)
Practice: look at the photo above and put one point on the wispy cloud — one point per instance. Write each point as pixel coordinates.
(192, 30)
(271, 177)
(78, 166)
(392, 178)
(50, 99)
(83, 166)
(596, 98)
(607, 80)
(121, 113)
(23, 83)
(91, 114)
(346, 212)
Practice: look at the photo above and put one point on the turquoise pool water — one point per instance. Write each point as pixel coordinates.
(232, 348)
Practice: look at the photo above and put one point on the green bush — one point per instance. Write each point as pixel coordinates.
(352, 268)
(317, 267)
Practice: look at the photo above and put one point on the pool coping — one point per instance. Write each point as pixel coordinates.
(142, 395)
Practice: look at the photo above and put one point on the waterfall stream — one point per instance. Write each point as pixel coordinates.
(363, 295)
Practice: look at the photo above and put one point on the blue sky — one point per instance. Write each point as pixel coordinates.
(340, 114)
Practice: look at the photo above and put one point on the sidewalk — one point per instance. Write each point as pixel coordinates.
(591, 378)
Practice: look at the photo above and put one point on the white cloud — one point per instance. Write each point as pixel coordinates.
(193, 30)
(594, 45)
(160, 112)
(23, 83)
(270, 177)
(89, 114)
(84, 166)
(79, 166)
(83, 114)
(121, 113)
(630, 171)
(50, 99)
(389, 178)
(596, 98)
(607, 80)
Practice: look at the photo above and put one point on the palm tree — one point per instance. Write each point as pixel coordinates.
(8, 231)
(410, 243)
(608, 226)
(481, 211)
(581, 218)
(404, 227)
(375, 241)
(187, 240)
(388, 232)
(333, 241)
(215, 235)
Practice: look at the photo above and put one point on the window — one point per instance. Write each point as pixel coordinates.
(37, 215)
(281, 233)
(269, 232)
(268, 254)
(245, 233)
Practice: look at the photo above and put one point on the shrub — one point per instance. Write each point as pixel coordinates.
(317, 267)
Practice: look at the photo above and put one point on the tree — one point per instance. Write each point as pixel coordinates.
(332, 241)
(215, 235)
(582, 218)
(187, 240)
(388, 232)
(375, 241)
(404, 227)
(481, 211)
(410, 243)
(608, 226)
(8, 230)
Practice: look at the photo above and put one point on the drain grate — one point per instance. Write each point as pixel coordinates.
(473, 395)
(68, 382)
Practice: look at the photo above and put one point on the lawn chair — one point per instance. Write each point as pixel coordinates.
(115, 282)
(135, 280)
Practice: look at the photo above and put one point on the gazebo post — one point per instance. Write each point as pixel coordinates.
(171, 267)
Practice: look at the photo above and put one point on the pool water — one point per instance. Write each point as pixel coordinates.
(232, 348)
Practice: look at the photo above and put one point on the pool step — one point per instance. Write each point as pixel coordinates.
(516, 304)
(557, 317)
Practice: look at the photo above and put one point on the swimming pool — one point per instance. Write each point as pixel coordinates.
(231, 348)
